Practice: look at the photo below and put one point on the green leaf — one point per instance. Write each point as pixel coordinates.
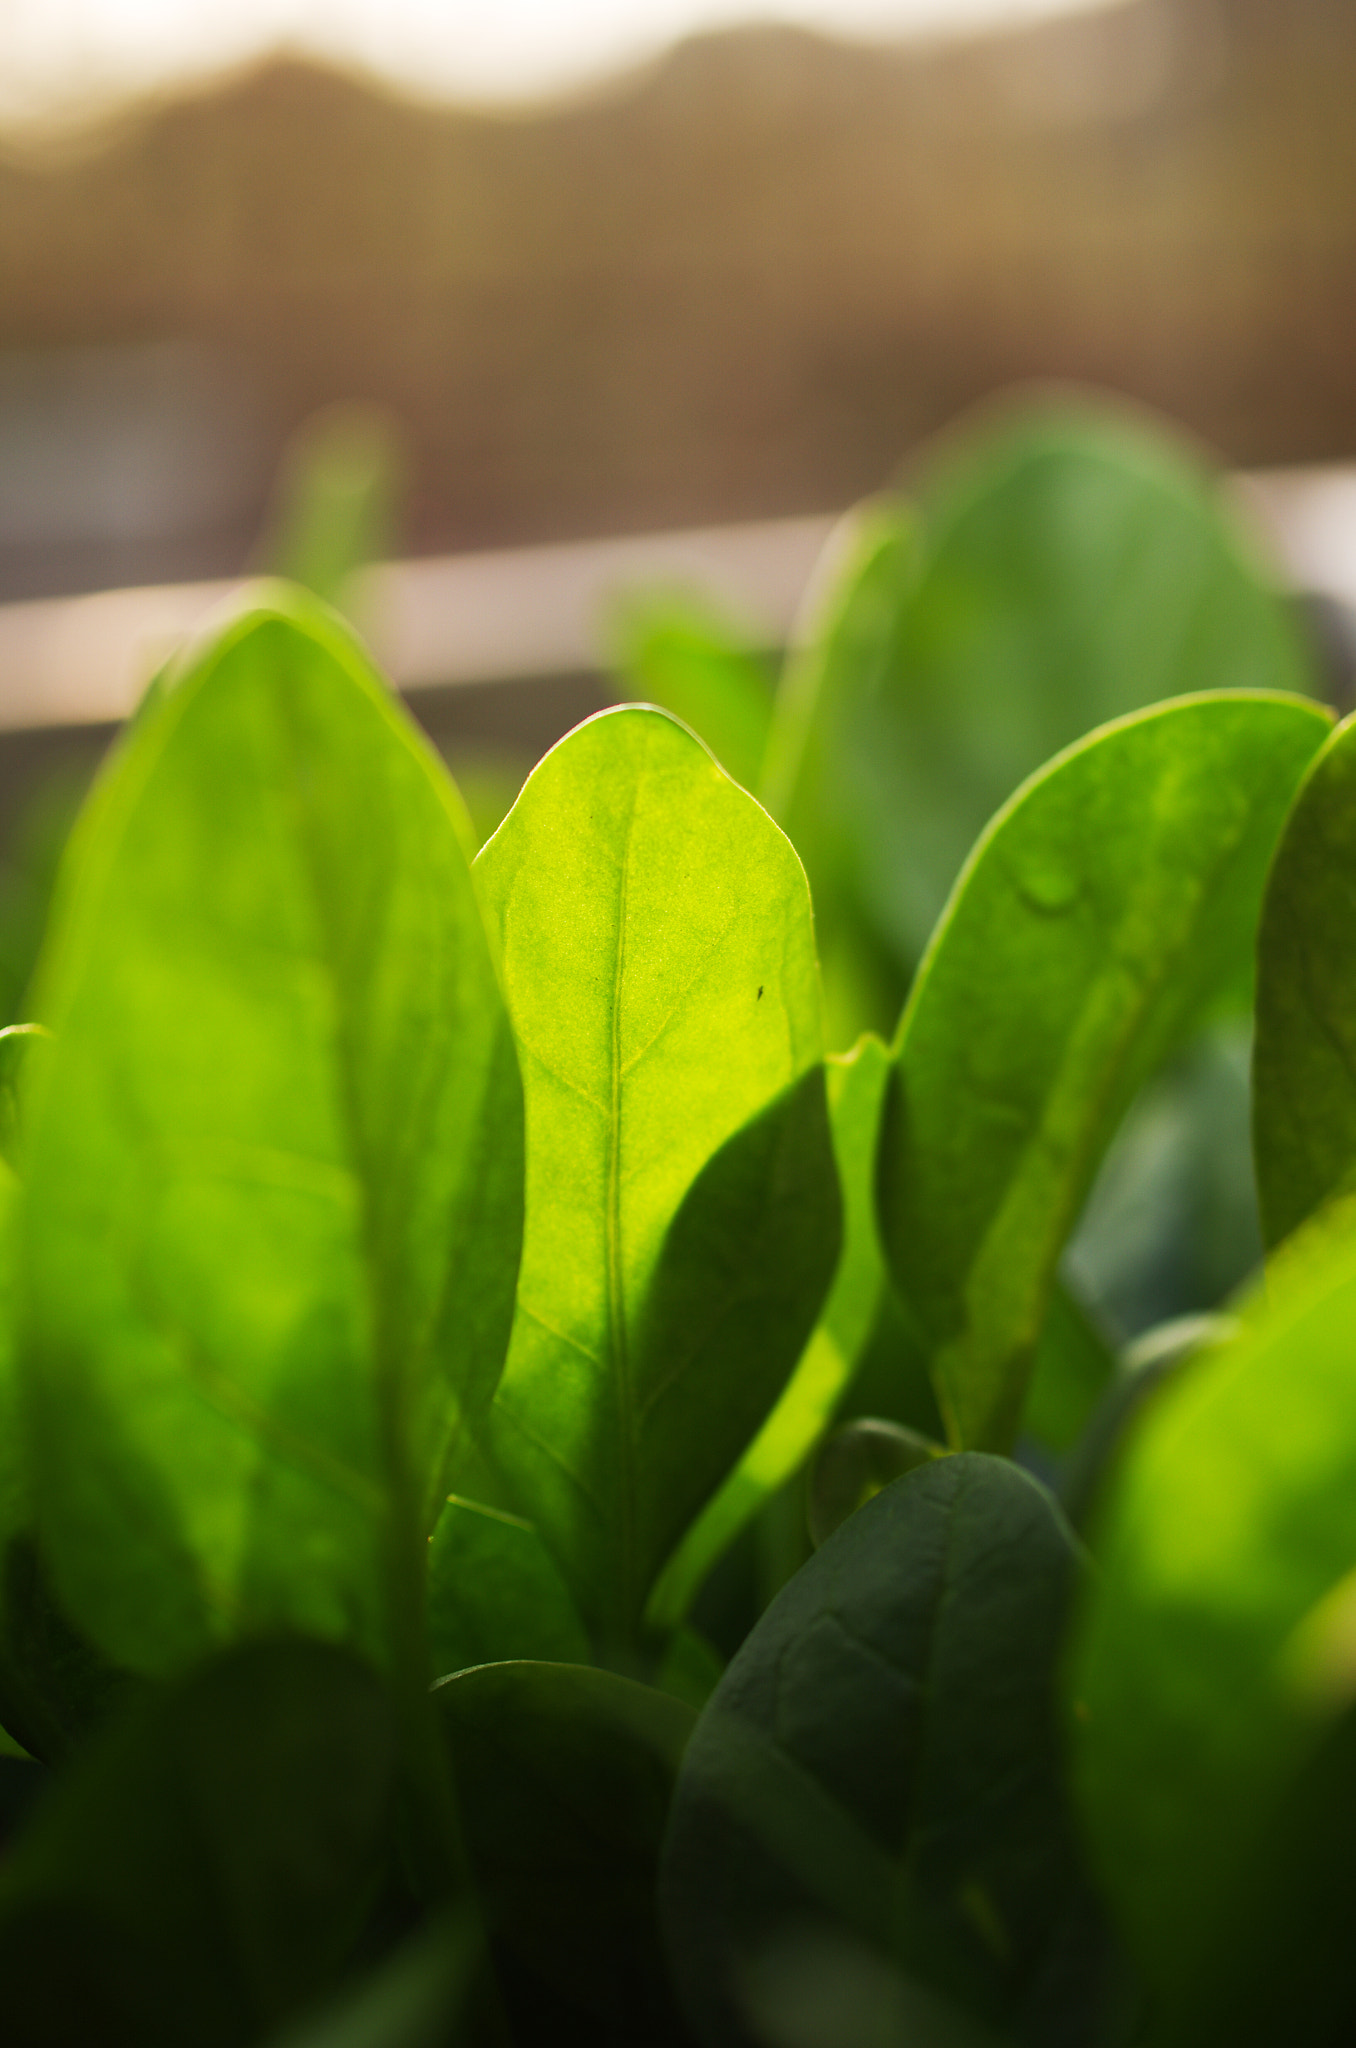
(856, 1087)
(565, 1777)
(1070, 562)
(673, 652)
(1304, 1060)
(494, 1593)
(56, 1688)
(335, 499)
(682, 1205)
(1072, 1369)
(203, 1871)
(1110, 906)
(1218, 1639)
(854, 1464)
(882, 1764)
(274, 1173)
(410, 2001)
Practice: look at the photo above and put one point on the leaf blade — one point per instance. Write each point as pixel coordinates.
(1111, 903)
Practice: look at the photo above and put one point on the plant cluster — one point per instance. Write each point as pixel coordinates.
(538, 1505)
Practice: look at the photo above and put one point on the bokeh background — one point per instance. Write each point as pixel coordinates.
(743, 276)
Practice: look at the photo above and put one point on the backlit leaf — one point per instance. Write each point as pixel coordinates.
(682, 1204)
(1108, 908)
(274, 1173)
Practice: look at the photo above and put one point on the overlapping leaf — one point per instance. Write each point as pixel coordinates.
(1304, 1061)
(682, 1204)
(567, 1774)
(856, 1088)
(881, 1766)
(1217, 1643)
(1104, 913)
(1064, 564)
(274, 1179)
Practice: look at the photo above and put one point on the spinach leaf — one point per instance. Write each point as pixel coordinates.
(1108, 908)
(1304, 1076)
(1063, 564)
(682, 1205)
(206, 1867)
(1216, 1645)
(881, 1765)
(411, 2000)
(856, 1086)
(566, 1776)
(494, 1593)
(274, 1172)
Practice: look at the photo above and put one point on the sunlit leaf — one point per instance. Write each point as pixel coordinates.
(274, 1177)
(1220, 1634)
(682, 1204)
(1304, 1060)
(1110, 906)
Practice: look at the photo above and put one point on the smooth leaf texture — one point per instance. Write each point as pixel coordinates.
(1069, 562)
(1110, 905)
(881, 1764)
(682, 1204)
(202, 1872)
(566, 1776)
(1218, 1636)
(495, 1593)
(1304, 1057)
(856, 1083)
(274, 1176)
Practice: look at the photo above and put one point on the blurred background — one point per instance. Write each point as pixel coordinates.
(576, 273)
(717, 278)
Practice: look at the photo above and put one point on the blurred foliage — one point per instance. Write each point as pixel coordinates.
(336, 502)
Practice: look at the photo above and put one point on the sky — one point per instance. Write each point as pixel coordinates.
(64, 57)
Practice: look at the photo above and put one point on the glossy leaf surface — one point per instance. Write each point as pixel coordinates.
(565, 1776)
(881, 1763)
(202, 1872)
(856, 1086)
(274, 1178)
(682, 1204)
(1304, 1059)
(1109, 907)
(1218, 1637)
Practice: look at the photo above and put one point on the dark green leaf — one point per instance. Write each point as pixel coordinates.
(682, 1204)
(881, 1764)
(565, 1777)
(851, 1467)
(411, 2001)
(856, 1086)
(274, 1176)
(1108, 908)
(494, 1593)
(1304, 1063)
(55, 1687)
(204, 1869)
